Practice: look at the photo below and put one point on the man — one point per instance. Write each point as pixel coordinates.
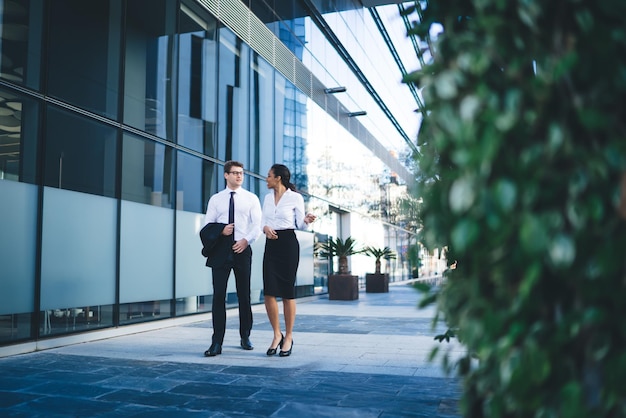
(231, 251)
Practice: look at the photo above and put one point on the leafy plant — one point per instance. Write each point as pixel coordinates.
(379, 253)
(522, 162)
(340, 249)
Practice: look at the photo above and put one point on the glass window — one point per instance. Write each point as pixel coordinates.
(149, 81)
(261, 117)
(193, 277)
(15, 327)
(256, 279)
(131, 313)
(19, 125)
(66, 320)
(280, 109)
(299, 174)
(291, 33)
(18, 249)
(146, 259)
(20, 34)
(84, 54)
(147, 172)
(233, 100)
(78, 260)
(197, 81)
(80, 153)
(196, 181)
(293, 145)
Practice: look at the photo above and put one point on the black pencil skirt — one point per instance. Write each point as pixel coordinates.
(280, 265)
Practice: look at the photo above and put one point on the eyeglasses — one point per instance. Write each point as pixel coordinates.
(236, 173)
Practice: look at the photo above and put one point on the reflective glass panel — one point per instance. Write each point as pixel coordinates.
(18, 250)
(261, 118)
(256, 278)
(15, 327)
(197, 80)
(193, 304)
(147, 172)
(151, 310)
(280, 109)
(80, 153)
(18, 223)
(83, 53)
(78, 249)
(294, 122)
(150, 74)
(196, 181)
(305, 267)
(19, 125)
(66, 320)
(233, 100)
(20, 41)
(193, 277)
(146, 252)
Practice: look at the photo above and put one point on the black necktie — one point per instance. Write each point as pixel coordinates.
(231, 208)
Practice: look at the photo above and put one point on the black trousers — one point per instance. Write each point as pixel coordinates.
(241, 266)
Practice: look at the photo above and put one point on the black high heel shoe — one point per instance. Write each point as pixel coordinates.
(286, 353)
(271, 351)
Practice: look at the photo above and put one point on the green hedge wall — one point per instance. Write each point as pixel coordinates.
(522, 174)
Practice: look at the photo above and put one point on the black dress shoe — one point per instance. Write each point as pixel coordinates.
(214, 350)
(286, 353)
(246, 344)
(271, 351)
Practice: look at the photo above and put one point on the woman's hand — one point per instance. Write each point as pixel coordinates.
(269, 232)
(309, 218)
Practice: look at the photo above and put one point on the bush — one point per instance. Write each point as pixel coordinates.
(522, 174)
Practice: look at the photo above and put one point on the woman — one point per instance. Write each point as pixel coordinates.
(283, 212)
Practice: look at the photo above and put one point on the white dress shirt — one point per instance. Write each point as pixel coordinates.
(247, 213)
(288, 214)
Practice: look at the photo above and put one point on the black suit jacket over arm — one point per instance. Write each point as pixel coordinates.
(215, 246)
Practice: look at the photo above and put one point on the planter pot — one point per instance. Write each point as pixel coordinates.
(377, 283)
(343, 287)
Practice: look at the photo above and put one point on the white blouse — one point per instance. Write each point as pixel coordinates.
(288, 214)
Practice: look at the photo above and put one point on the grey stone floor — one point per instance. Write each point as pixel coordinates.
(365, 358)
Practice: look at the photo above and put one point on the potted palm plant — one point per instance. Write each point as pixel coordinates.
(378, 282)
(341, 285)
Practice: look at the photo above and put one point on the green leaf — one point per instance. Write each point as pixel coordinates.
(533, 235)
(562, 251)
(462, 194)
(464, 234)
(571, 400)
(422, 287)
(505, 194)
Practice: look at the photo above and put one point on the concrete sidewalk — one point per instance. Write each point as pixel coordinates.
(364, 358)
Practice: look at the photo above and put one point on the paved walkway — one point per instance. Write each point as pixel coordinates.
(365, 358)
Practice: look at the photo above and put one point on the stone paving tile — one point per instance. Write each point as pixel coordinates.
(366, 358)
(345, 325)
(142, 411)
(235, 406)
(139, 397)
(294, 409)
(11, 399)
(60, 406)
(231, 391)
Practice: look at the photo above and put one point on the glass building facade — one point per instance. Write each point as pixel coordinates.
(116, 117)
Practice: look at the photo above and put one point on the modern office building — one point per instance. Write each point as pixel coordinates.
(116, 117)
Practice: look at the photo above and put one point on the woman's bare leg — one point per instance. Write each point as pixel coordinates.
(289, 306)
(271, 307)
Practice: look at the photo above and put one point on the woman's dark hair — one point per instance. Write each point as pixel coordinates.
(282, 171)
